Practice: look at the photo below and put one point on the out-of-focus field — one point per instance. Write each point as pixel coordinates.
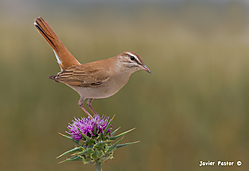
(194, 106)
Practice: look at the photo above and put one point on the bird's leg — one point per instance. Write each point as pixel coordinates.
(82, 107)
(89, 103)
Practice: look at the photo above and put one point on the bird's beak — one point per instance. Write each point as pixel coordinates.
(144, 67)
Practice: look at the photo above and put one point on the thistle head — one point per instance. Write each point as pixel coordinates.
(86, 126)
(94, 139)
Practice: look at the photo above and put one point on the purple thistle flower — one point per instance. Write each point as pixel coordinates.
(86, 126)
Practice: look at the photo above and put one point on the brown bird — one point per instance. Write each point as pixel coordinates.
(94, 80)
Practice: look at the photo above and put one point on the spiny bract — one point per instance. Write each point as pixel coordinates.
(94, 140)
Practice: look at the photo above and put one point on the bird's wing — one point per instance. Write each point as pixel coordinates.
(83, 76)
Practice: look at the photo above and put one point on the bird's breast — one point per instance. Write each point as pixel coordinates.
(111, 87)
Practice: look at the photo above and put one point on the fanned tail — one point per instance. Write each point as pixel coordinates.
(64, 58)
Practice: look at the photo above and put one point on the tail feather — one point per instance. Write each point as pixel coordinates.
(53, 77)
(64, 58)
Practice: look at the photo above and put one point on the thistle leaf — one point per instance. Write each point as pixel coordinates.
(109, 156)
(97, 154)
(87, 160)
(117, 136)
(126, 144)
(71, 151)
(95, 129)
(100, 153)
(113, 132)
(86, 152)
(108, 126)
(73, 158)
(101, 144)
(112, 147)
(77, 142)
(89, 140)
(101, 136)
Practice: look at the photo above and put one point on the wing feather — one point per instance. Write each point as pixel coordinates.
(83, 76)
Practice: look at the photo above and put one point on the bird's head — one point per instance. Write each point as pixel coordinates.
(131, 61)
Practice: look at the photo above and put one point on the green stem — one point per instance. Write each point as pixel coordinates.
(98, 165)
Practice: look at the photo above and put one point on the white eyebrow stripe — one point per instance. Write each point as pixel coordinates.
(131, 54)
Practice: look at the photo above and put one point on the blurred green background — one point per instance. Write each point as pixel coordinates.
(194, 106)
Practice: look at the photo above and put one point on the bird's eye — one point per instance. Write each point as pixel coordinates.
(132, 58)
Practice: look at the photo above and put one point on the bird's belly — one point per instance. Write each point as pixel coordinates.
(102, 91)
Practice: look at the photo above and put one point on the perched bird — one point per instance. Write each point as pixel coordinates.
(94, 80)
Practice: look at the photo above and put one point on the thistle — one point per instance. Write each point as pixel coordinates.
(94, 140)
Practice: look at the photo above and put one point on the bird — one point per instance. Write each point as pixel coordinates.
(94, 80)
